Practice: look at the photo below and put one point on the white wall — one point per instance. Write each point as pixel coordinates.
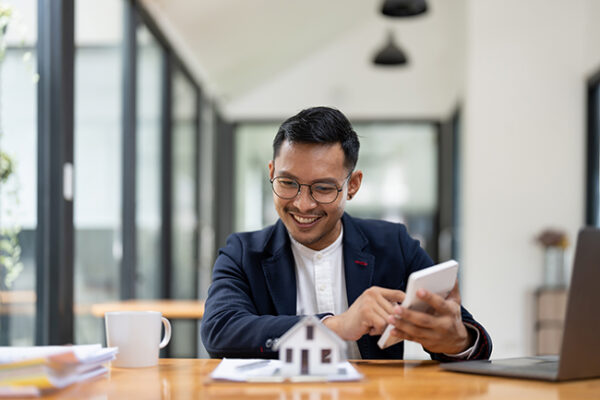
(524, 141)
(592, 36)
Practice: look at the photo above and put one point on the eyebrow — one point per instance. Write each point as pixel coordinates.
(325, 180)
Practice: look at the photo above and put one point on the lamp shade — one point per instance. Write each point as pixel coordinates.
(390, 54)
(403, 8)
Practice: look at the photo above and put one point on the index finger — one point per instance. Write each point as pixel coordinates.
(393, 295)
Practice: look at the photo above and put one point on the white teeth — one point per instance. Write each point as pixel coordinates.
(304, 220)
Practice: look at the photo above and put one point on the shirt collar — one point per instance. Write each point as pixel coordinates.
(310, 253)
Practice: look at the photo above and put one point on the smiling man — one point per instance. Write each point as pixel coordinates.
(318, 260)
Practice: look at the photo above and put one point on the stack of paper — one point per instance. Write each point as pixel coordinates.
(33, 370)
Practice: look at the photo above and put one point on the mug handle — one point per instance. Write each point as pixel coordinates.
(167, 337)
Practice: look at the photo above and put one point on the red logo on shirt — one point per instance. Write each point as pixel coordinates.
(364, 264)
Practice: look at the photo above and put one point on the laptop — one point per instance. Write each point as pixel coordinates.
(580, 350)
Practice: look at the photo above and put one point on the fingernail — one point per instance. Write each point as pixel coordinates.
(421, 293)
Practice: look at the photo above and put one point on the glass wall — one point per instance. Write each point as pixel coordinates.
(185, 210)
(18, 171)
(97, 172)
(148, 163)
(399, 162)
(253, 198)
(98, 118)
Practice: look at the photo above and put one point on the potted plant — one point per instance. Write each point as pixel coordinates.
(10, 250)
(554, 242)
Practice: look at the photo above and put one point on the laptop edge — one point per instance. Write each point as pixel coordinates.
(580, 352)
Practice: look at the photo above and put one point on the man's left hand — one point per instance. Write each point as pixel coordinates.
(440, 332)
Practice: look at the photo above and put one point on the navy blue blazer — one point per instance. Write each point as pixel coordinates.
(252, 299)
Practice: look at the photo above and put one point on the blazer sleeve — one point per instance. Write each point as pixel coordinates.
(231, 325)
(484, 346)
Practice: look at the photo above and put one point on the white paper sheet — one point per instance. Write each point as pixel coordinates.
(258, 370)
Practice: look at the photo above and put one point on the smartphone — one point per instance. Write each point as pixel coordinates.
(438, 279)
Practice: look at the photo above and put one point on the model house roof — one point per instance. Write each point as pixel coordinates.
(310, 320)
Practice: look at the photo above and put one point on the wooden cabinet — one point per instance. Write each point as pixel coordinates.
(551, 306)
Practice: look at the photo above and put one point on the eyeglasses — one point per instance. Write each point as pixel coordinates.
(321, 192)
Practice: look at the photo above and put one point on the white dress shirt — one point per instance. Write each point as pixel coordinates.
(321, 286)
(321, 283)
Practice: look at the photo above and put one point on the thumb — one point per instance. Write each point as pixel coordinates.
(454, 294)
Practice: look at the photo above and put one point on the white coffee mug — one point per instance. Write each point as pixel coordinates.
(137, 335)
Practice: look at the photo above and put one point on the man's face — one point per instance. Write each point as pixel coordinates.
(313, 224)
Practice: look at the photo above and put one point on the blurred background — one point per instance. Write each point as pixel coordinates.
(135, 137)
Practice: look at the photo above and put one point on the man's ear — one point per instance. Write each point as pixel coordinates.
(354, 183)
(271, 169)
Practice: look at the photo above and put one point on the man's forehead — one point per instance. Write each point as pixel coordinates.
(310, 149)
(312, 161)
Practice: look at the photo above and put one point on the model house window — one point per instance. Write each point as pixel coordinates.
(309, 332)
(326, 356)
(288, 355)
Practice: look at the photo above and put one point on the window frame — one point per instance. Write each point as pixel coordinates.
(593, 150)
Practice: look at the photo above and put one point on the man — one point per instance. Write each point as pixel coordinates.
(318, 260)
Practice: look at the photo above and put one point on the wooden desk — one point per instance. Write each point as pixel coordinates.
(188, 378)
(172, 309)
(21, 302)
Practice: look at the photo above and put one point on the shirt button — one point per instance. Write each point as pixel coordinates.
(322, 288)
(319, 256)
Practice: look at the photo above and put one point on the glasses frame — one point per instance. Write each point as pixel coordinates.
(310, 191)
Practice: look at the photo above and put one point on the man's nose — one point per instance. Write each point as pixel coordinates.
(304, 200)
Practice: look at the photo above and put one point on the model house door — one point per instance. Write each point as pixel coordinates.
(304, 363)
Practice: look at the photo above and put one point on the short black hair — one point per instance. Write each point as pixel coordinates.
(320, 125)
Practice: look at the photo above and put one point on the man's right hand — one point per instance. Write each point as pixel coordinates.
(367, 315)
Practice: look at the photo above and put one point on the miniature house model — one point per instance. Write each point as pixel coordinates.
(310, 348)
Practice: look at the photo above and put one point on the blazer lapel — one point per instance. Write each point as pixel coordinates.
(279, 271)
(280, 275)
(358, 263)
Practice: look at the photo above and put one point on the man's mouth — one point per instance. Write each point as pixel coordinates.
(304, 220)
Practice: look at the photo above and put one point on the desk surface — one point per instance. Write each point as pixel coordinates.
(188, 378)
(172, 309)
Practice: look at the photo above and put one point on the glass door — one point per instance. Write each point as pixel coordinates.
(184, 221)
(98, 166)
(148, 164)
(18, 172)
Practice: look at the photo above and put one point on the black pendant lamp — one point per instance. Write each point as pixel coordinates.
(403, 8)
(390, 54)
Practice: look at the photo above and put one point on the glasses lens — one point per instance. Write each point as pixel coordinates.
(285, 188)
(324, 192)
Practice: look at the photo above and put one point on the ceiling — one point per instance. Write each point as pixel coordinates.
(265, 59)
